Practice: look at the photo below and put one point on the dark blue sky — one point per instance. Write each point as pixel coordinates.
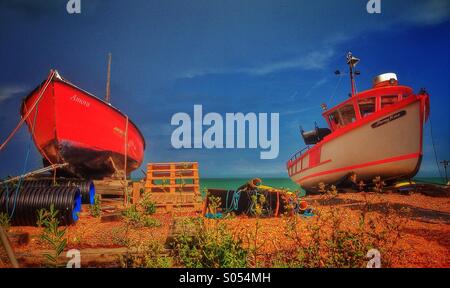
(229, 56)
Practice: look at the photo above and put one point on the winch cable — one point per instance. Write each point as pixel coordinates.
(24, 118)
(25, 164)
(434, 150)
(19, 125)
(335, 89)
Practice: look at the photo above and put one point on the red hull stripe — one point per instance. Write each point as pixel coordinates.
(373, 163)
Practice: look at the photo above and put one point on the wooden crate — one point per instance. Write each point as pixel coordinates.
(174, 185)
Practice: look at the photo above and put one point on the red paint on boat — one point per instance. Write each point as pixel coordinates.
(70, 125)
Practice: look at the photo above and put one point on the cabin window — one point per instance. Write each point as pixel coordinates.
(366, 106)
(335, 120)
(389, 100)
(348, 114)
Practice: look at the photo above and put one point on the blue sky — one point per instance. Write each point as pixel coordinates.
(229, 56)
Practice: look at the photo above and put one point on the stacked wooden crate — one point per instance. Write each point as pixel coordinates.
(174, 185)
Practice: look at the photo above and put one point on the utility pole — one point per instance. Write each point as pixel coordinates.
(108, 80)
(445, 163)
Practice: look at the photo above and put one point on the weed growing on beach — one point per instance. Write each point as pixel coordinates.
(378, 184)
(327, 240)
(52, 235)
(96, 209)
(328, 192)
(119, 236)
(147, 204)
(203, 245)
(213, 204)
(136, 217)
(5, 222)
(257, 209)
(148, 254)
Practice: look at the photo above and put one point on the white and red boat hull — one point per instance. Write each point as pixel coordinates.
(387, 144)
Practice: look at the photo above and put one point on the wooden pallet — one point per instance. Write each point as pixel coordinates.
(172, 177)
(174, 186)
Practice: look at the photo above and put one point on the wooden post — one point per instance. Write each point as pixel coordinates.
(108, 80)
(136, 192)
(277, 209)
(7, 245)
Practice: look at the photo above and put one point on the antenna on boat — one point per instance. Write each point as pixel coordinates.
(352, 61)
(108, 80)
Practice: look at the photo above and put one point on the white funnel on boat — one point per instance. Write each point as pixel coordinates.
(385, 80)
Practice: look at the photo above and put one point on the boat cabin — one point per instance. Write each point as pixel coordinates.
(386, 92)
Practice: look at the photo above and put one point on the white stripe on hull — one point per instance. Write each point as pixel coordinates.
(364, 149)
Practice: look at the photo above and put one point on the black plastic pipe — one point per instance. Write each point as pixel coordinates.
(24, 205)
(87, 188)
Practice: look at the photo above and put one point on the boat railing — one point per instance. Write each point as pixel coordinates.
(298, 154)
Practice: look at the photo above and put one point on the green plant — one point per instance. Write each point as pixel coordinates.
(96, 208)
(51, 234)
(258, 210)
(328, 192)
(145, 255)
(209, 246)
(147, 204)
(5, 222)
(213, 204)
(119, 236)
(379, 184)
(135, 217)
(132, 215)
(327, 241)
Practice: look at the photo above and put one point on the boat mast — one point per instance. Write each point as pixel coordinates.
(108, 80)
(352, 61)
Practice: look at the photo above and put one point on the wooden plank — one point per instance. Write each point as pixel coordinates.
(90, 257)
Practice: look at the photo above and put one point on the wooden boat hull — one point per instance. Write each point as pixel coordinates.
(388, 144)
(69, 125)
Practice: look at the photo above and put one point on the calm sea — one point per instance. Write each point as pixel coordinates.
(234, 183)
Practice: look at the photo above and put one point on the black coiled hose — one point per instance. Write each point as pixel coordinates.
(87, 188)
(65, 199)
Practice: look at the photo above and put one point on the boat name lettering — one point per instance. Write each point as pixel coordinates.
(388, 119)
(80, 101)
(120, 131)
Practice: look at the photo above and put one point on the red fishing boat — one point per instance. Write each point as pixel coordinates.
(70, 125)
(377, 132)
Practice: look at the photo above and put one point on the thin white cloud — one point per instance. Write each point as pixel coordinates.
(315, 60)
(429, 12)
(10, 91)
(298, 111)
